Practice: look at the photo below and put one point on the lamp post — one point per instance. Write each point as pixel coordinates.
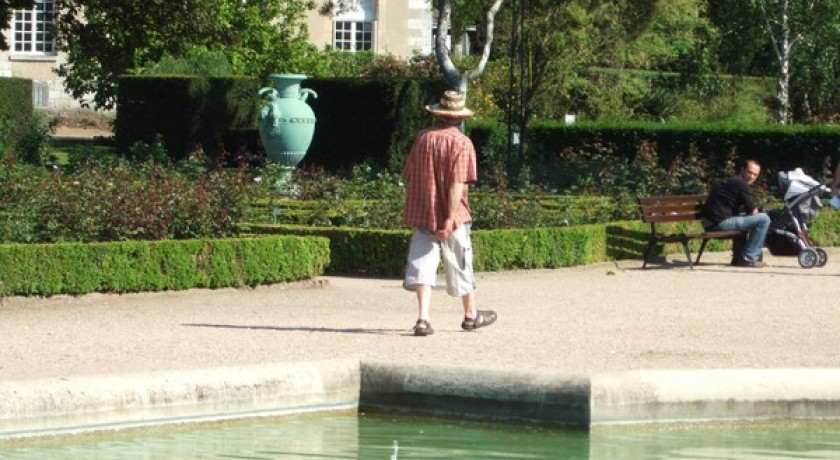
(518, 73)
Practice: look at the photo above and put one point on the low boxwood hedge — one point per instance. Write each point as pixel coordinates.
(382, 252)
(287, 253)
(134, 266)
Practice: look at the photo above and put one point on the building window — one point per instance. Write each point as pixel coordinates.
(33, 29)
(353, 26)
(353, 36)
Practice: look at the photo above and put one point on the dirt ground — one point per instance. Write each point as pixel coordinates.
(81, 132)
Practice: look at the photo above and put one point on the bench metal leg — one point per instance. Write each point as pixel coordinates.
(687, 254)
(702, 248)
(648, 249)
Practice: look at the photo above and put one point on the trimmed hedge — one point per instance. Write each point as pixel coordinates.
(368, 120)
(378, 252)
(79, 268)
(382, 252)
(15, 108)
(16, 100)
(359, 120)
(777, 147)
(185, 110)
(354, 250)
(135, 266)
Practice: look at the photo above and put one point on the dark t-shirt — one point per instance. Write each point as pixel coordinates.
(728, 198)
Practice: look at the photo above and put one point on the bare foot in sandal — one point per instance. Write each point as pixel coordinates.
(482, 318)
(423, 328)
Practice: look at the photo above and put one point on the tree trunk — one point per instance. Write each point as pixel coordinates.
(456, 80)
(782, 91)
(785, 48)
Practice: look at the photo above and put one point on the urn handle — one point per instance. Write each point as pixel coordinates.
(305, 92)
(270, 113)
(268, 92)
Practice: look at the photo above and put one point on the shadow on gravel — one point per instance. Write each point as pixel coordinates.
(296, 329)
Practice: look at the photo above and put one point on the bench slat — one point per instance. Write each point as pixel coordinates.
(653, 218)
(676, 237)
(664, 208)
(672, 199)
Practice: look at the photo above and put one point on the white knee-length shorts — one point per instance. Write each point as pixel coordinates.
(424, 255)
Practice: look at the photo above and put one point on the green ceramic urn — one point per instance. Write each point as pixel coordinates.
(286, 122)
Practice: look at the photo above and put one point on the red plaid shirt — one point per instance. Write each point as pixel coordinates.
(440, 156)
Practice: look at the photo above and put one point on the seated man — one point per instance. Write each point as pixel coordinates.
(730, 207)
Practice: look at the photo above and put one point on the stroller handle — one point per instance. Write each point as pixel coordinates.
(816, 190)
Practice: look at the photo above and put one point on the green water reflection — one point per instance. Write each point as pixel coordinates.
(417, 437)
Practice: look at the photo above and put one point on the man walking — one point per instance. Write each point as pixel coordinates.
(439, 169)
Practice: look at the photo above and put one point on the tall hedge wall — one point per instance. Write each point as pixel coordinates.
(368, 120)
(15, 105)
(776, 147)
(186, 111)
(359, 120)
(375, 121)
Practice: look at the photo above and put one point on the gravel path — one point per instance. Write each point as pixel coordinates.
(608, 316)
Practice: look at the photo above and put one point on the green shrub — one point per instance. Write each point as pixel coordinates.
(75, 268)
(145, 204)
(115, 200)
(33, 146)
(200, 62)
(379, 252)
(28, 141)
(19, 184)
(15, 112)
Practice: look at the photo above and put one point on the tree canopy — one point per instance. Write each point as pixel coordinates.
(795, 41)
(104, 39)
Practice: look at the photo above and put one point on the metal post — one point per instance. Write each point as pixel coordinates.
(523, 73)
(512, 106)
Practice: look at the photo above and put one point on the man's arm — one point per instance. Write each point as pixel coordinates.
(456, 193)
(747, 199)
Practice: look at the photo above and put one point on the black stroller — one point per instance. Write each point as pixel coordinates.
(788, 234)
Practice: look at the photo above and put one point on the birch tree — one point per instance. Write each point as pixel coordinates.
(792, 40)
(455, 78)
(790, 26)
(784, 37)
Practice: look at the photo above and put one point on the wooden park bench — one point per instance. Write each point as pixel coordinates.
(678, 208)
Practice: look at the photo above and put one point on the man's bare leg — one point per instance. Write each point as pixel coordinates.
(424, 302)
(468, 300)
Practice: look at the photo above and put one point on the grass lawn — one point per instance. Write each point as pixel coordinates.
(62, 147)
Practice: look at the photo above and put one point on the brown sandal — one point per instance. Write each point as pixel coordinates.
(482, 318)
(423, 328)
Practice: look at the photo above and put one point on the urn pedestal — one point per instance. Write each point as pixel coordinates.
(286, 122)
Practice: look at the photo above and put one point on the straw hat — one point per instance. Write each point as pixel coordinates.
(451, 105)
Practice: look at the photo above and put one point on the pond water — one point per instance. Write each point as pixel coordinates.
(394, 437)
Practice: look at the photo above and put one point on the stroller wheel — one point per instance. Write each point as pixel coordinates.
(808, 258)
(822, 257)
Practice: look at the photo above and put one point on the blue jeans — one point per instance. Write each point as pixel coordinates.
(757, 226)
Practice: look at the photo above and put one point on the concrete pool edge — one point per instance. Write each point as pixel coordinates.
(587, 401)
(69, 405)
